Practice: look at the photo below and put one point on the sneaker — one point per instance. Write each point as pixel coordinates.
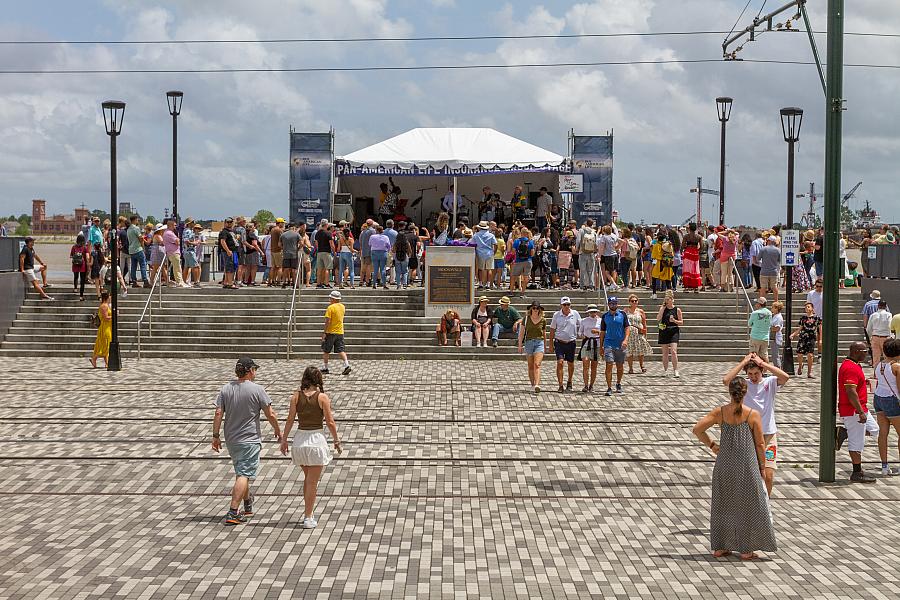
(537, 389)
(561, 389)
(591, 388)
(677, 374)
(48, 298)
(861, 477)
(618, 388)
(568, 386)
(653, 296)
(665, 373)
(248, 506)
(234, 518)
(840, 436)
(585, 389)
(197, 285)
(608, 391)
(309, 523)
(493, 343)
(346, 370)
(890, 471)
(324, 371)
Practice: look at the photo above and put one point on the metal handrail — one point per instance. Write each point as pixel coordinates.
(298, 280)
(737, 296)
(148, 312)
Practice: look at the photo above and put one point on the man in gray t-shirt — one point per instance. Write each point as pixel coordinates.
(769, 267)
(365, 253)
(290, 239)
(238, 404)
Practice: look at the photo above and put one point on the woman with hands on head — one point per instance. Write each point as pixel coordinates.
(310, 405)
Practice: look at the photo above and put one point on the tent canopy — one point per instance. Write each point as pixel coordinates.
(450, 151)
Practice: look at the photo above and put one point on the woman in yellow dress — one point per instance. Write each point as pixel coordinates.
(663, 256)
(104, 332)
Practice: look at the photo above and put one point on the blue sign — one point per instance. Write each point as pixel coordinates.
(310, 193)
(592, 155)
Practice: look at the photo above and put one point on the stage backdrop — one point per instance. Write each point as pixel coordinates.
(592, 155)
(310, 194)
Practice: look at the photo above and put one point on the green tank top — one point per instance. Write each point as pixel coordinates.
(534, 331)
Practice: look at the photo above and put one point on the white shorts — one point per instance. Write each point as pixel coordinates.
(32, 274)
(856, 431)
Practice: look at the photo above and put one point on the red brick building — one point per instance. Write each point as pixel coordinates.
(57, 224)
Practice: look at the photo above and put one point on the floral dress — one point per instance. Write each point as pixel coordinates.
(637, 342)
(809, 331)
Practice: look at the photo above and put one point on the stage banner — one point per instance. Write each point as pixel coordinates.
(345, 169)
(310, 194)
(592, 156)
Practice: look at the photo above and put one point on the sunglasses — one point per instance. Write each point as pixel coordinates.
(633, 300)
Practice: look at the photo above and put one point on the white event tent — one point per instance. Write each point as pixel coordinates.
(431, 159)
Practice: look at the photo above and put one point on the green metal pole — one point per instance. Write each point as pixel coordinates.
(833, 129)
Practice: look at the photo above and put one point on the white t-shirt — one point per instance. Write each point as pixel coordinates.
(778, 321)
(566, 326)
(543, 205)
(761, 397)
(588, 323)
(816, 299)
(711, 249)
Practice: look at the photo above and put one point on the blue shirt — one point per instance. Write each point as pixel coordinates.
(871, 307)
(95, 235)
(516, 248)
(484, 243)
(614, 325)
(392, 235)
(364, 241)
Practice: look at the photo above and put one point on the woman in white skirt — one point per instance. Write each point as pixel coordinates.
(311, 406)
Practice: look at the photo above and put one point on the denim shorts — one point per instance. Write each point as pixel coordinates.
(499, 263)
(534, 347)
(613, 355)
(889, 405)
(245, 458)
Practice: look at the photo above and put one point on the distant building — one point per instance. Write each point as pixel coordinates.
(125, 208)
(57, 224)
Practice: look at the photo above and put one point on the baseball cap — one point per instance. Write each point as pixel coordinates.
(504, 300)
(612, 300)
(244, 364)
(565, 300)
(279, 220)
(335, 294)
(761, 301)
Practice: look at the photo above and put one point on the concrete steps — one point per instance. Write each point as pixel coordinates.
(213, 322)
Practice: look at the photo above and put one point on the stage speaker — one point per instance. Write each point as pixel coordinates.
(342, 208)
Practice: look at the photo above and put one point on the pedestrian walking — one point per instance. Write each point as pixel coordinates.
(887, 401)
(564, 327)
(740, 520)
(760, 396)
(878, 328)
(770, 267)
(614, 331)
(333, 336)
(310, 406)
(586, 248)
(531, 342)
(807, 334)
(776, 339)
(80, 255)
(638, 346)
(854, 411)
(104, 331)
(669, 320)
(589, 353)
(290, 257)
(136, 251)
(691, 259)
(760, 324)
(237, 409)
(663, 257)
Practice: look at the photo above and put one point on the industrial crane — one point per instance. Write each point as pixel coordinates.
(810, 219)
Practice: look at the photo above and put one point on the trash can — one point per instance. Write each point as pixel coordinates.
(205, 269)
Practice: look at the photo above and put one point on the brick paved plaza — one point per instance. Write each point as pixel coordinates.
(455, 482)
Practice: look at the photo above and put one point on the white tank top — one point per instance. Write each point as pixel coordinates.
(886, 383)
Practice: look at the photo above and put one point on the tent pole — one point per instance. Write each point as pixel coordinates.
(455, 203)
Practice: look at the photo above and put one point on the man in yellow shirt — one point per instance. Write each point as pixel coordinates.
(333, 336)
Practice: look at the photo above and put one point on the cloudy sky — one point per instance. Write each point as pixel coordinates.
(233, 133)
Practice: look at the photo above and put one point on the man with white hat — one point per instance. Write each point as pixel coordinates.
(564, 329)
(333, 336)
(869, 309)
(485, 246)
(590, 352)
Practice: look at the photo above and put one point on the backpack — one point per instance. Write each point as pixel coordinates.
(589, 241)
(668, 256)
(78, 258)
(523, 252)
(632, 248)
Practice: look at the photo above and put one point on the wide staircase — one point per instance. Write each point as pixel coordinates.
(380, 324)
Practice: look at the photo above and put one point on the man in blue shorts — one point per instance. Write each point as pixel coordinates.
(239, 403)
(614, 339)
(563, 332)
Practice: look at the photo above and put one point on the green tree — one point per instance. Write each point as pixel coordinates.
(23, 229)
(23, 218)
(151, 219)
(264, 216)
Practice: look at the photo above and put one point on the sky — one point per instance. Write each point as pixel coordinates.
(233, 130)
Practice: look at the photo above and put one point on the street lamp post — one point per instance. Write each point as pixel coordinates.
(791, 120)
(724, 107)
(174, 99)
(113, 113)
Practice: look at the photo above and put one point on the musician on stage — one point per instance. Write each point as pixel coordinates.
(519, 202)
(487, 208)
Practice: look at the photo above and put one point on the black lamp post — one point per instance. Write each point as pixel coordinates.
(174, 98)
(113, 113)
(724, 107)
(791, 120)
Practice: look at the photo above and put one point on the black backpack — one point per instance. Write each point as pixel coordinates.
(78, 258)
(523, 252)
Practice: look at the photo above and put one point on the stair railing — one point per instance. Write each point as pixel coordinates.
(295, 295)
(147, 313)
(740, 288)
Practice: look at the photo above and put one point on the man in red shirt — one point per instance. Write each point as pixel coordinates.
(854, 411)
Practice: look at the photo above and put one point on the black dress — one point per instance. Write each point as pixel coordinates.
(809, 331)
(669, 333)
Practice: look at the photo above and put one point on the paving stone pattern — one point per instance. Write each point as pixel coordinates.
(456, 482)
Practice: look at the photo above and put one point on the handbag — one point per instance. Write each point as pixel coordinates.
(564, 260)
(510, 256)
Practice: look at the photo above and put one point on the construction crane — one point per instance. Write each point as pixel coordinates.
(845, 200)
(810, 219)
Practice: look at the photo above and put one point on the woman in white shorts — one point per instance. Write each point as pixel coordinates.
(311, 406)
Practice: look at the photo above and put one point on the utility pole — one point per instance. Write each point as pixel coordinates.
(834, 107)
(700, 190)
